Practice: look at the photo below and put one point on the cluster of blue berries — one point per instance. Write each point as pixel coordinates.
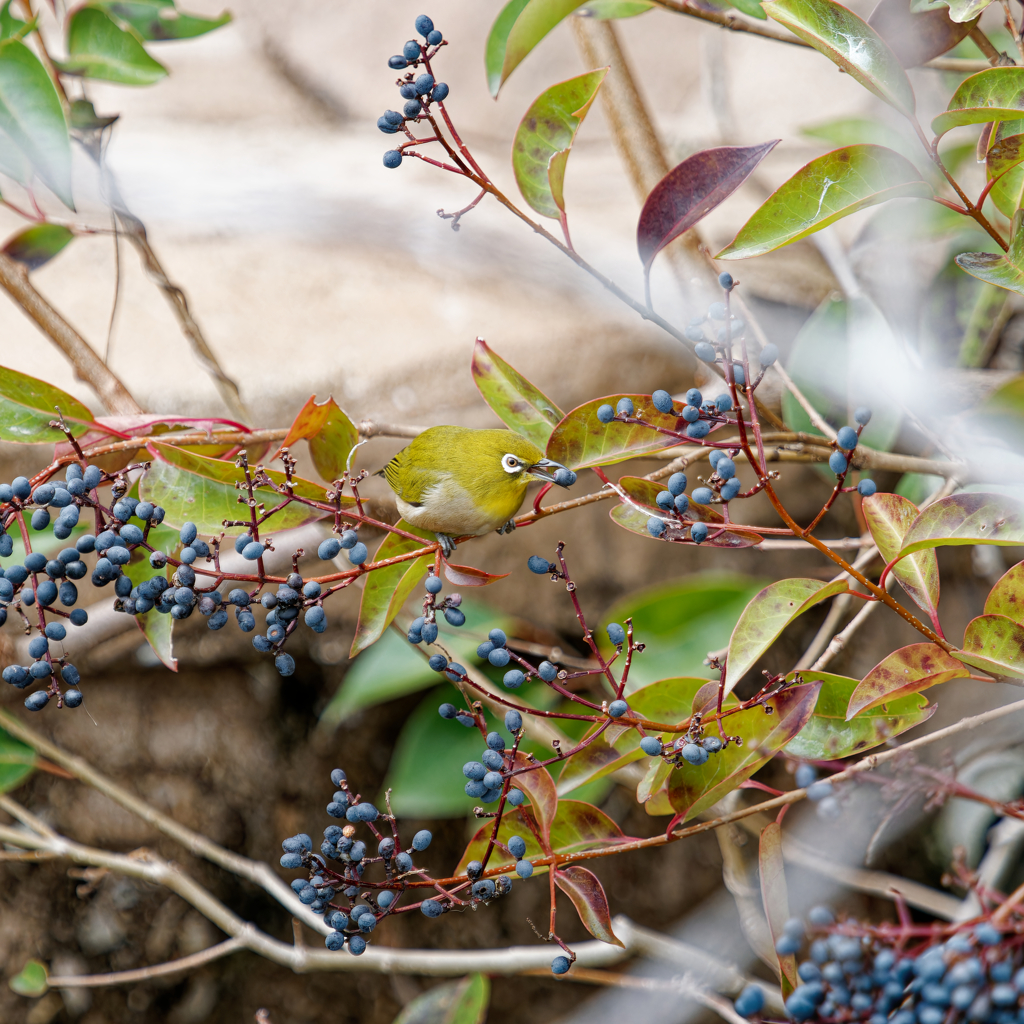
(418, 91)
(495, 650)
(333, 878)
(974, 976)
(847, 439)
(423, 629)
(692, 747)
(486, 777)
(820, 792)
(713, 332)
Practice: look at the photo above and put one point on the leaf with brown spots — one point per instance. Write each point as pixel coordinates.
(908, 670)
(995, 644)
(1007, 596)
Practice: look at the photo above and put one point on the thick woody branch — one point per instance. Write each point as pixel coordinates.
(87, 364)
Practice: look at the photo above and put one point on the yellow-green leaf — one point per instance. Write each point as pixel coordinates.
(996, 94)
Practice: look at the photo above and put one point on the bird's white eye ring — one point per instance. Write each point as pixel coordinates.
(510, 464)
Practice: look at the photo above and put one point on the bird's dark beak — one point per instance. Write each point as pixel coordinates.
(553, 472)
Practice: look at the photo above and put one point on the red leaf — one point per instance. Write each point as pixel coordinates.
(908, 670)
(587, 894)
(540, 789)
(467, 576)
(330, 433)
(775, 898)
(690, 191)
(917, 38)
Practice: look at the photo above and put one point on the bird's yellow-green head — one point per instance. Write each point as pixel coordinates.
(456, 480)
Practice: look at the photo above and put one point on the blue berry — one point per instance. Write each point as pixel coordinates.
(411, 50)
(392, 158)
(819, 790)
(538, 565)
(429, 632)
(22, 488)
(564, 477)
(703, 350)
(665, 499)
(396, 63)
(837, 463)
(731, 488)
(37, 701)
(356, 943)
(252, 551)
(749, 1001)
(424, 84)
(285, 664)
(726, 281)
(862, 415)
(768, 355)
(617, 708)
(698, 430)
(716, 311)
(73, 698)
(358, 554)
(55, 631)
(335, 940)
(513, 721)
(695, 332)
(560, 965)
(40, 519)
(328, 549)
(424, 25)
(723, 403)
(712, 744)
(188, 533)
(37, 647)
(386, 898)
(866, 488)
(431, 908)
(434, 585)
(513, 679)
(662, 401)
(499, 657)
(846, 438)
(46, 592)
(605, 413)
(655, 526)
(806, 775)
(524, 869)
(291, 860)
(495, 741)
(726, 468)
(676, 484)
(440, 91)
(987, 934)
(681, 504)
(454, 617)
(438, 662)
(514, 797)
(434, 37)
(694, 754)
(421, 840)
(79, 617)
(691, 413)
(315, 617)
(787, 945)
(703, 495)
(616, 633)
(651, 746)
(738, 374)
(624, 407)
(474, 770)
(547, 671)
(349, 539)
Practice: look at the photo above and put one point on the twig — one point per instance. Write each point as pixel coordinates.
(185, 963)
(816, 417)
(86, 363)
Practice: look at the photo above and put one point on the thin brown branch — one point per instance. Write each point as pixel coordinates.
(86, 363)
(983, 43)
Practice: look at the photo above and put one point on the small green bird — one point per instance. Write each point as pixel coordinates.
(456, 482)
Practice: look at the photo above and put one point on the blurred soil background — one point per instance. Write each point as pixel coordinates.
(256, 168)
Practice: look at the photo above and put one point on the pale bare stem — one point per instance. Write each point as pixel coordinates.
(838, 642)
(84, 361)
(816, 418)
(185, 963)
(1013, 29)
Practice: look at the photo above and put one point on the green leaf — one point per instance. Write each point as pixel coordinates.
(1003, 270)
(99, 48)
(889, 516)
(906, 671)
(959, 10)
(1007, 596)
(828, 736)
(604, 10)
(996, 94)
(497, 40)
(388, 588)
(668, 700)
(518, 29)
(201, 490)
(1003, 155)
(853, 131)
(38, 244)
(850, 43)
(32, 117)
(17, 762)
(995, 644)
(27, 406)
(515, 401)
(10, 26)
(692, 788)
(156, 627)
(330, 433)
(544, 139)
(31, 980)
(581, 440)
(643, 493)
(767, 615)
(457, 1002)
(967, 518)
(159, 20)
(752, 8)
(575, 827)
(587, 894)
(775, 899)
(827, 189)
(680, 622)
